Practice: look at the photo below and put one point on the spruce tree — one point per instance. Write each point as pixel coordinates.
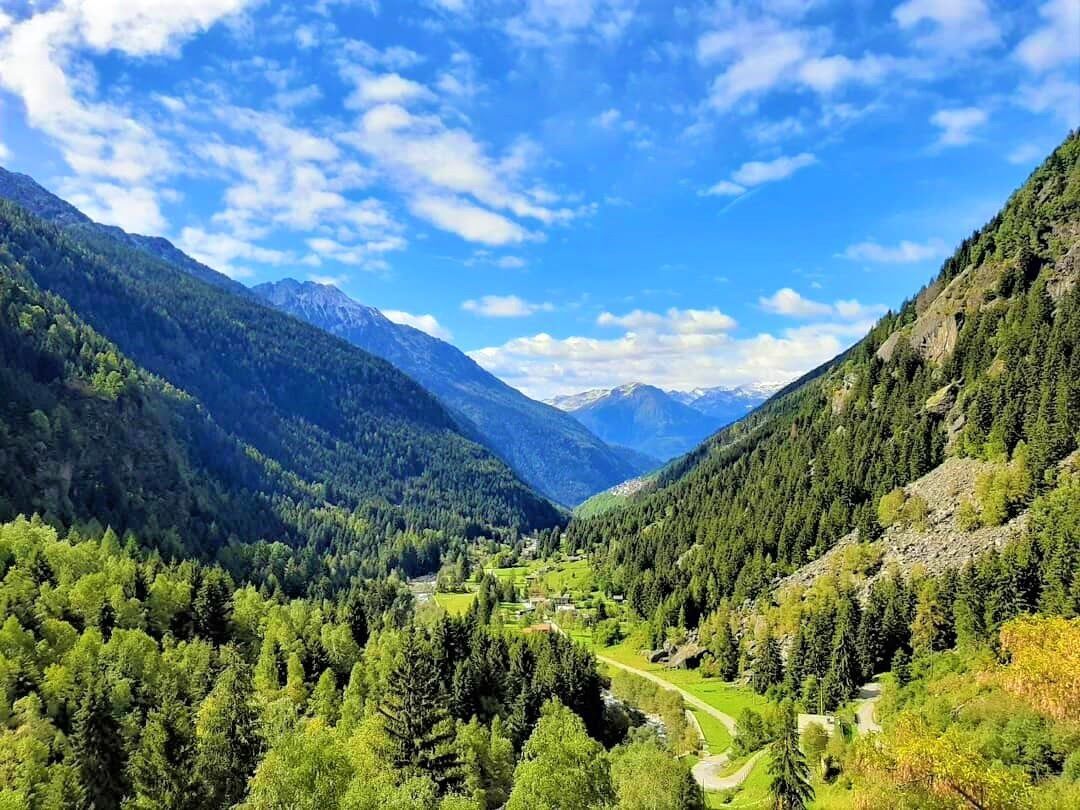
(768, 668)
(99, 748)
(842, 678)
(162, 767)
(790, 786)
(415, 717)
(228, 739)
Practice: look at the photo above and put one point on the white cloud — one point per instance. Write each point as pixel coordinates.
(102, 142)
(551, 23)
(5, 153)
(132, 207)
(905, 252)
(1026, 154)
(366, 255)
(679, 321)
(948, 26)
(386, 88)
(470, 222)
(543, 365)
(958, 125)
(725, 188)
(451, 180)
(825, 74)
(510, 262)
(1057, 95)
(786, 301)
(392, 58)
(425, 323)
(221, 250)
(1057, 41)
(758, 53)
(504, 306)
(758, 172)
(328, 281)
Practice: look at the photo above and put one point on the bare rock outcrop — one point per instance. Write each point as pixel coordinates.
(936, 544)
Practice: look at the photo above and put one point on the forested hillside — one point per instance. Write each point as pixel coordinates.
(547, 448)
(125, 681)
(984, 361)
(253, 426)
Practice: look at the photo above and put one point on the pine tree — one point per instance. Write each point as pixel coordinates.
(213, 606)
(842, 678)
(325, 702)
(228, 742)
(790, 786)
(162, 767)
(99, 748)
(415, 717)
(768, 667)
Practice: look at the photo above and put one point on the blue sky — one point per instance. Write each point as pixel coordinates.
(580, 193)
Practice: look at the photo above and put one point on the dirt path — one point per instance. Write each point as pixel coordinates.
(691, 700)
(869, 695)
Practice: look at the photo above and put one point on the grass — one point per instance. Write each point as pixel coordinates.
(716, 734)
(754, 792)
(718, 694)
(455, 603)
(550, 578)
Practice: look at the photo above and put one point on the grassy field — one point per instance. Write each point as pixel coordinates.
(716, 734)
(542, 577)
(728, 699)
(754, 792)
(455, 603)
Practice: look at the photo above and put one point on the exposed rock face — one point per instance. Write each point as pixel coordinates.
(935, 547)
(934, 337)
(1067, 268)
(687, 657)
(941, 401)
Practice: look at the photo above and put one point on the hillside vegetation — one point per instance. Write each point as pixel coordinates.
(139, 395)
(984, 361)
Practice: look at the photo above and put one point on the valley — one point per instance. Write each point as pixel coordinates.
(350, 460)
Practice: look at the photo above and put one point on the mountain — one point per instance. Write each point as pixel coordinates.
(547, 448)
(983, 362)
(140, 393)
(726, 404)
(28, 194)
(641, 417)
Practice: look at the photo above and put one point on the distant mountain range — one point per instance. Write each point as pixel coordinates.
(663, 424)
(547, 448)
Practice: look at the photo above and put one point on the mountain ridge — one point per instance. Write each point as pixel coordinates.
(661, 423)
(549, 449)
(348, 451)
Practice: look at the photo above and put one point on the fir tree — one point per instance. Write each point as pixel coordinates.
(768, 668)
(162, 772)
(790, 786)
(99, 748)
(415, 717)
(228, 741)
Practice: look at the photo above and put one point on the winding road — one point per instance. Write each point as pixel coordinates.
(706, 771)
